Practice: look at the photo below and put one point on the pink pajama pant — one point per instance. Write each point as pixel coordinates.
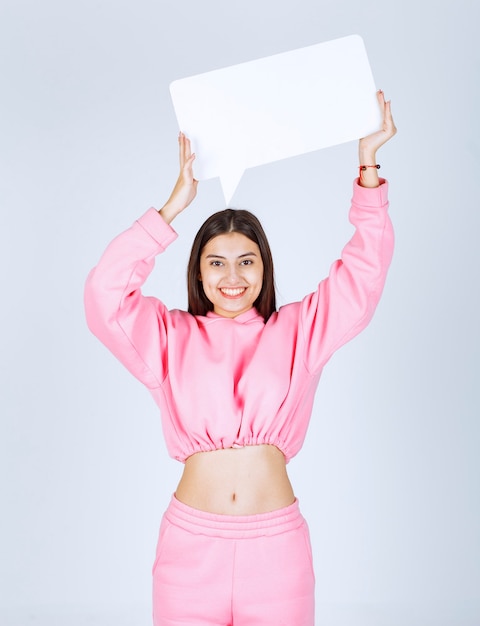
(228, 570)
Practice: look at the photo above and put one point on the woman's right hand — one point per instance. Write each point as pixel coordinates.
(185, 188)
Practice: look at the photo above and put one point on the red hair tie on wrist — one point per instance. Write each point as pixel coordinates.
(363, 168)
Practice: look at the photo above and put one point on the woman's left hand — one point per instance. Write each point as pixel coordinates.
(370, 144)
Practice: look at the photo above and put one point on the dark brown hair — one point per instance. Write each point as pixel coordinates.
(230, 221)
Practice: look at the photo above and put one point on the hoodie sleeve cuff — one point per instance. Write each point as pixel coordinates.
(154, 224)
(370, 196)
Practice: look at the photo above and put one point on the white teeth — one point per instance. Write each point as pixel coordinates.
(233, 292)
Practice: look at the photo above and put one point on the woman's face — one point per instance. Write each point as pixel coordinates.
(231, 271)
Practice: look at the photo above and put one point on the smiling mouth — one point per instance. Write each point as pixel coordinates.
(233, 293)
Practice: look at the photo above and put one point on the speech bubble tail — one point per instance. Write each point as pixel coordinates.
(229, 182)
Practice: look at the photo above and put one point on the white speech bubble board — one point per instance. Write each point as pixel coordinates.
(276, 107)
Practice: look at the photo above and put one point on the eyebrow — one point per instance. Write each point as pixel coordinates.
(218, 256)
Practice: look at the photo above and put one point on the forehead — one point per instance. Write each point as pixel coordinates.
(230, 244)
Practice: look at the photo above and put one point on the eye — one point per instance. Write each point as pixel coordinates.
(246, 262)
(216, 263)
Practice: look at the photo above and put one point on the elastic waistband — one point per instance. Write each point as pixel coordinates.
(234, 526)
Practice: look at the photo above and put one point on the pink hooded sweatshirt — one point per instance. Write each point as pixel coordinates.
(231, 382)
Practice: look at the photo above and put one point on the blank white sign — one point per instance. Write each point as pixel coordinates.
(276, 107)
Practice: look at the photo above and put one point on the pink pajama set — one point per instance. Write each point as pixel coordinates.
(232, 382)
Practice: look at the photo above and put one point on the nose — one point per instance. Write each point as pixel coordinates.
(232, 274)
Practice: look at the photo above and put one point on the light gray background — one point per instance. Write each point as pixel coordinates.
(389, 475)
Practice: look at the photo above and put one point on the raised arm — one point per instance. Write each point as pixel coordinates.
(132, 326)
(345, 302)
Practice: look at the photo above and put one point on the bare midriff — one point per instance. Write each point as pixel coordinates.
(236, 481)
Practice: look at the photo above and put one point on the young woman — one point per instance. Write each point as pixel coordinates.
(235, 381)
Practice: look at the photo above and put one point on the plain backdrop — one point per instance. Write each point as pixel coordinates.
(389, 476)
